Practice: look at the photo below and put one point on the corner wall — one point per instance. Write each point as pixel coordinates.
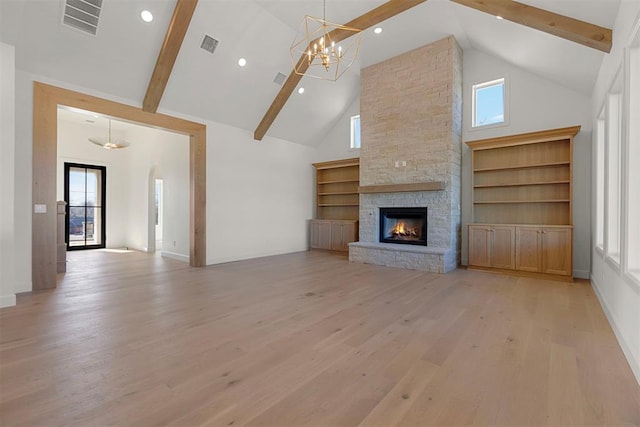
(7, 179)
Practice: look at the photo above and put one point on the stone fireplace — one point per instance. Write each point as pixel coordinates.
(411, 121)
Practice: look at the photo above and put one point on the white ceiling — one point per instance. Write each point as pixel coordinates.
(120, 60)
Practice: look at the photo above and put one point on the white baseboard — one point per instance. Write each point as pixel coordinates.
(582, 274)
(178, 257)
(7, 300)
(635, 364)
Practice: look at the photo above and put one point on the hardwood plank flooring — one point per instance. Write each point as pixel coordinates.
(307, 339)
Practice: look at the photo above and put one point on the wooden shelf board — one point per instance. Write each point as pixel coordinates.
(402, 188)
(338, 204)
(338, 181)
(533, 165)
(335, 164)
(338, 193)
(522, 184)
(520, 201)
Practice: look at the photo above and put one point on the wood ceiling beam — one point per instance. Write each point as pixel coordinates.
(369, 19)
(581, 32)
(178, 27)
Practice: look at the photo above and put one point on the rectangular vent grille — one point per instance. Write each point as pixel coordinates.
(209, 43)
(280, 78)
(82, 15)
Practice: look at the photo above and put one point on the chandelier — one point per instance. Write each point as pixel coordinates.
(108, 143)
(317, 50)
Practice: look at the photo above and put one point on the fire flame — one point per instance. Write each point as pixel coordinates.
(403, 230)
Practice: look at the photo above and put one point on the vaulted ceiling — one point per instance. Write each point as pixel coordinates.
(120, 60)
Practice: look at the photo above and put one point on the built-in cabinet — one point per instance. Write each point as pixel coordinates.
(522, 202)
(337, 205)
(334, 235)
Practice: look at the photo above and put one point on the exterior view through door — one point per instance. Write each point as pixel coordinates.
(84, 192)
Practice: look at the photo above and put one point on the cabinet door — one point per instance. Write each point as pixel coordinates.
(479, 245)
(320, 235)
(528, 249)
(349, 234)
(503, 254)
(337, 237)
(556, 251)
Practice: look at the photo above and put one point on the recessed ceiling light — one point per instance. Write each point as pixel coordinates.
(242, 62)
(499, 17)
(146, 16)
(301, 90)
(378, 30)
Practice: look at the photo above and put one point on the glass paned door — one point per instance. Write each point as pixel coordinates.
(84, 192)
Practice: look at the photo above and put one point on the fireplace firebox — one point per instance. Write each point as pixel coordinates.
(407, 226)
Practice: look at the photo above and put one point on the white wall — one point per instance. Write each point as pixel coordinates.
(618, 294)
(337, 142)
(7, 158)
(259, 194)
(167, 154)
(534, 104)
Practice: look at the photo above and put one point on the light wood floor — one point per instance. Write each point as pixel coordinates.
(307, 339)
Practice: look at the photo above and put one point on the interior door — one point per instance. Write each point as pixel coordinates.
(85, 193)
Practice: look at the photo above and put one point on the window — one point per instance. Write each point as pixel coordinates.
(613, 128)
(633, 159)
(355, 132)
(600, 138)
(488, 103)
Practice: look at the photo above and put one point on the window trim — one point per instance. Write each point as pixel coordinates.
(352, 132)
(505, 103)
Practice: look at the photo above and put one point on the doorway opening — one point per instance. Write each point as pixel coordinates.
(159, 208)
(85, 194)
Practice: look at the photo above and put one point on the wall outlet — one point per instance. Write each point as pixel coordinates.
(40, 208)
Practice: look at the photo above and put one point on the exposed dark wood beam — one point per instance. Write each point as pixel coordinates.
(167, 58)
(581, 32)
(369, 19)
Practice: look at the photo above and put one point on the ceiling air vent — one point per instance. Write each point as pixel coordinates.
(209, 43)
(82, 15)
(280, 78)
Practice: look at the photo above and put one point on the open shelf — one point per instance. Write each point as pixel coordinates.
(337, 195)
(339, 181)
(531, 165)
(521, 184)
(488, 202)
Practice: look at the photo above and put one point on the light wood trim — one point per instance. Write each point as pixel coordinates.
(354, 161)
(373, 17)
(519, 273)
(176, 31)
(568, 28)
(402, 188)
(524, 138)
(45, 103)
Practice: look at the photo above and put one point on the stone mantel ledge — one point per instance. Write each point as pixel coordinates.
(402, 188)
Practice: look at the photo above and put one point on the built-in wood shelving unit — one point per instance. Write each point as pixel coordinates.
(337, 204)
(523, 180)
